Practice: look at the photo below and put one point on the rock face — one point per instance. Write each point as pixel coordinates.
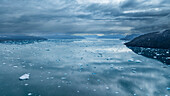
(152, 40)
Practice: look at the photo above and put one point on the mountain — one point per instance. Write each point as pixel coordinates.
(130, 37)
(20, 39)
(158, 25)
(159, 39)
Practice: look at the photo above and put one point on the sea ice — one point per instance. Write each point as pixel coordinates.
(29, 94)
(26, 84)
(25, 77)
(63, 78)
(168, 88)
(130, 60)
(168, 58)
(138, 61)
(107, 88)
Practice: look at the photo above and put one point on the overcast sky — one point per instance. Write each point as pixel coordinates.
(49, 17)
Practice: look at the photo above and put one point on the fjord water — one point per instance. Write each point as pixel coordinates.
(80, 67)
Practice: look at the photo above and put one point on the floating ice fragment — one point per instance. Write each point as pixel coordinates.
(107, 88)
(168, 58)
(63, 78)
(78, 91)
(168, 88)
(25, 77)
(29, 94)
(94, 90)
(130, 60)
(81, 67)
(65, 73)
(15, 66)
(134, 71)
(59, 86)
(116, 92)
(26, 84)
(133, 68)
(138, 61)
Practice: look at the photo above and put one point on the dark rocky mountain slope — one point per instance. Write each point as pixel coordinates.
(159, 40)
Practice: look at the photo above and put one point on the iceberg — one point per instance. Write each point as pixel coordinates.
(25, 77)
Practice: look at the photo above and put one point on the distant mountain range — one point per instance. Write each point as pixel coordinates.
(64, 37)
(111, 37)
(159, 39)
(130, 37)
(157, 25)
(20, 39)
(15, 39)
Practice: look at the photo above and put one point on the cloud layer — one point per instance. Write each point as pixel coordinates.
(42, 17)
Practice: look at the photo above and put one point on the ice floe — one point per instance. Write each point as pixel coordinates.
(25, 77)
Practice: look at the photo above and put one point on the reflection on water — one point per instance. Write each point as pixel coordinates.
(162, 55)
(80, 68)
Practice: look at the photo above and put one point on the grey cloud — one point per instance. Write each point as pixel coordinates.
(68, 16)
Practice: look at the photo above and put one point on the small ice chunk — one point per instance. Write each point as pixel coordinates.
(107, 88)
(168, 58)
(88, 79)
(116, 92)
(26, 84)
(29, 94)
(63, 78)
(168, 88)
(15, 66)
(25, 77)
(94, 90)
(130, 60)
(65, 74)
(138, 61)
(133, 71)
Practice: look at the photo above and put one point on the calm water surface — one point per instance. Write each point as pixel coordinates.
(88, 67)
